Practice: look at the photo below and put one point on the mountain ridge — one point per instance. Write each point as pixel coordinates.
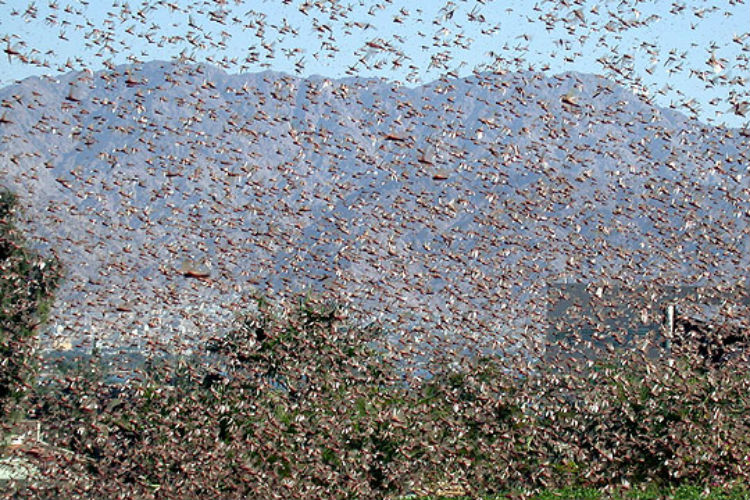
(449, 203)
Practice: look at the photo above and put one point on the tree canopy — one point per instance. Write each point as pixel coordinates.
(27, 283)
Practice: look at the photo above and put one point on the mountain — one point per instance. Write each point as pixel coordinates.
(174, 192)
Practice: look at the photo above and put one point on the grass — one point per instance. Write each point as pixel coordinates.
(644, 492)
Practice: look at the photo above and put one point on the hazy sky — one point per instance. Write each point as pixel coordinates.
(691, 54)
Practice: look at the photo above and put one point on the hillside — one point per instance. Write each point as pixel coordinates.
(168, 187)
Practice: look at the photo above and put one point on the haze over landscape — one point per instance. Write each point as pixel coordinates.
(370, 250)
(453, 203)
(455, 159)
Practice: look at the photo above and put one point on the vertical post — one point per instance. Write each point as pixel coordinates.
(669, 326)
(670, 320)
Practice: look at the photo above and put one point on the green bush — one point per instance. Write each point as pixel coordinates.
(26, 286)
(298, 402)
(658, 422)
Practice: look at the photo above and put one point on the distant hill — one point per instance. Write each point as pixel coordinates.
(450, 203)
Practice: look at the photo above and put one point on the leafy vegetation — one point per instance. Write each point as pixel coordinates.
(300, 403)
(26, 286)
(643, 492)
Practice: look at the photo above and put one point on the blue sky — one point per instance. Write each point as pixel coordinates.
(689, 53)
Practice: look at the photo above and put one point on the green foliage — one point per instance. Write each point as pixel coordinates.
(664, 422)
(647, 491)
(300, 403)
(296, 352)
(289, 381)
(26, 286)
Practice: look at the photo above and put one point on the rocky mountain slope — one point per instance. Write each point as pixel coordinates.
(172, 191)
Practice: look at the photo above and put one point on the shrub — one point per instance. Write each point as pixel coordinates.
(26, 286)
(299, 403)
